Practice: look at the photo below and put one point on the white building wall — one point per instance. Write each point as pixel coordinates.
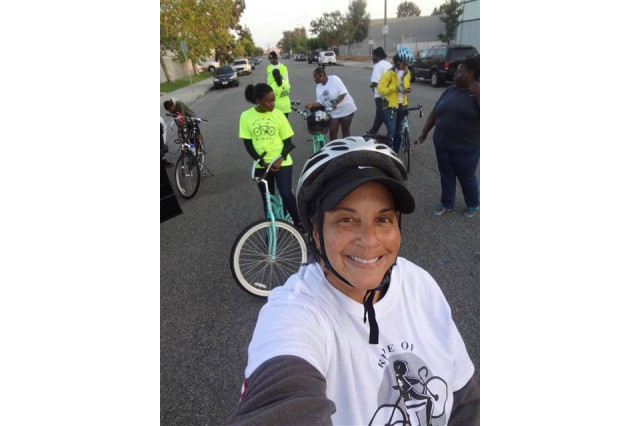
(469, 29)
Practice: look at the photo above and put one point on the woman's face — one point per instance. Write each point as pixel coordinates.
(462, 77)
(320, 78)
(362, 239)
(267, 103)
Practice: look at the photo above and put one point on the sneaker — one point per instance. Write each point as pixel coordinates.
(440, 210)
(471, 212)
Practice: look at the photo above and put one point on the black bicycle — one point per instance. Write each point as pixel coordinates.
(190, 164)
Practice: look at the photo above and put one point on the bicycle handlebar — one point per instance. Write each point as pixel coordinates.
(267, 170)
(419, 107)
(186, 117)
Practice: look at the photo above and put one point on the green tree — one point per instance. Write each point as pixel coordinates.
(406, 9)
(451, 11)
(331, 28)
(358, 21)
(204, 25)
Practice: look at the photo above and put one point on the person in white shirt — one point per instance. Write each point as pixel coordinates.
(312, 359)
(380, 66)
(332, 96)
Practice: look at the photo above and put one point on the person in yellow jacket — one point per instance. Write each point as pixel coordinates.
(281, 89)
(394, 87)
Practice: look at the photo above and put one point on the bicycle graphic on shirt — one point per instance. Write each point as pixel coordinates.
(415, 396)
(261, 130)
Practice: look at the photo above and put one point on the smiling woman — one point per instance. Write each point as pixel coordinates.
(312, 359)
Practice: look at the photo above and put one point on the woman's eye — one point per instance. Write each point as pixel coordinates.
(345, 220)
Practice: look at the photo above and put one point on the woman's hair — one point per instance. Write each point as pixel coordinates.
(277, 76)
(253, 93)
(473, 64)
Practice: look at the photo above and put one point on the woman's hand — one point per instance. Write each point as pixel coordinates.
(276, 165)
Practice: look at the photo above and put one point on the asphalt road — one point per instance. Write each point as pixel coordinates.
(207, 320)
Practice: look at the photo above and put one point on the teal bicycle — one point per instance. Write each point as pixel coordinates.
(269, 251)
(317, 124)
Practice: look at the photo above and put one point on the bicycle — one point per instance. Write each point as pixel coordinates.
(190, 164)
(317, 124)
(406, 135)
(268, 251)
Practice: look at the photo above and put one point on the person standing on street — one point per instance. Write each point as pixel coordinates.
(394, 87)
(380, 67)
(281, 89)
(273, 58)
(332, 95)
(456, 117)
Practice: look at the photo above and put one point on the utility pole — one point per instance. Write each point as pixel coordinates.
(384, 28)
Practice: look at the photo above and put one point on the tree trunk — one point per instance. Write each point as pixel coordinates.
(165, 68)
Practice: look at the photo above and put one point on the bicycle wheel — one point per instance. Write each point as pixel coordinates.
(406, 147)
(187, 175)
(200, 152)
(254, 269)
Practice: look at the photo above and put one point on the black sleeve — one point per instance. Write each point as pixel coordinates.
(248, 145)
(466, 405)
(287, 148)
(284, 390)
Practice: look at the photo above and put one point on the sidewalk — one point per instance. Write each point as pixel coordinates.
(192, 93)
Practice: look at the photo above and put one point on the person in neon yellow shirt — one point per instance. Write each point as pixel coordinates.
(281, 89)
(273, 58)
(266, 133)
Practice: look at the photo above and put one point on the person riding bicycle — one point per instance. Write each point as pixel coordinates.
(394, 86)
(312, 359)
(266, 133)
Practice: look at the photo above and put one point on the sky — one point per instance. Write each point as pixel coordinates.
(267, 19)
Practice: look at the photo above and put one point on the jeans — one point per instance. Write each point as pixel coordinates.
(390, 120)
(458, 161)
(393, 120)
(282, 178)
(379, 119)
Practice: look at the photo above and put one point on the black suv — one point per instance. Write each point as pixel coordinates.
(313, 57)
(438, 64)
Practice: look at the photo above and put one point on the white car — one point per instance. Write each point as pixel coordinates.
(208, 64)
(327, 57)
(242, 66)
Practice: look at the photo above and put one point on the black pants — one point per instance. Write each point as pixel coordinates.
(379, 119)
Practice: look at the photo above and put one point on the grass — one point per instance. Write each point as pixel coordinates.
(183, 82)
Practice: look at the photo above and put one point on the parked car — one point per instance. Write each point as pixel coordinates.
(312, 56)
(300, 57)
(327, 57)
(438, 64)
(257, 60)
(225, 76)
(242, 66)
(207, 63)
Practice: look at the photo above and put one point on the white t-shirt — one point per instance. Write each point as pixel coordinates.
(332, 90)
(418, 364)
(379, 69)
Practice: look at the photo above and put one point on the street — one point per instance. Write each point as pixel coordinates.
(206, 319)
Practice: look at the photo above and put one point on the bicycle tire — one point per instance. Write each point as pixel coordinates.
(252, 267)
(200, 152)
(406, 147)
(187, 174)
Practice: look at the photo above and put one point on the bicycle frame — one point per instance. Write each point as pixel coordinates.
(275, 209)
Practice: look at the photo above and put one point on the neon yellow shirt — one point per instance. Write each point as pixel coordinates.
(283, 72)
(283, 102)
(267, 130)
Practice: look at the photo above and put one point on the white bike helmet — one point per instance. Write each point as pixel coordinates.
(345, 164)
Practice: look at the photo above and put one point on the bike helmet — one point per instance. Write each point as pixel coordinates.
(345, 164)
(334, 172)
(405, 54)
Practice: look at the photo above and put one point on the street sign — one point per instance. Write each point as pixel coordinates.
(183, 46)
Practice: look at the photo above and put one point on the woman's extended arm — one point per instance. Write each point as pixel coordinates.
(284, 390)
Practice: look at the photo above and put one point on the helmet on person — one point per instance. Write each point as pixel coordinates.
(405, 54)
(341, 166)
